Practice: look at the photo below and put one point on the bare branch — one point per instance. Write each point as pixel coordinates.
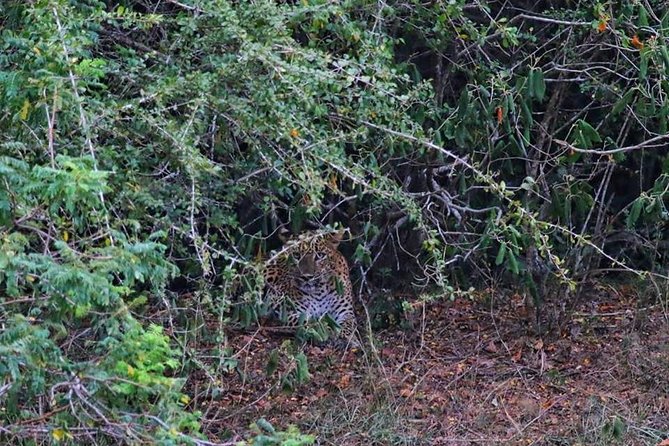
(656, 140)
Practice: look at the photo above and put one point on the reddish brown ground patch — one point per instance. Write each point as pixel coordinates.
(466, 372)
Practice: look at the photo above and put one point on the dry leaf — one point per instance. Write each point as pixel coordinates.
(636, 42)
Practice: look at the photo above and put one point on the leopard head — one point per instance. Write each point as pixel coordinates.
(311, 250)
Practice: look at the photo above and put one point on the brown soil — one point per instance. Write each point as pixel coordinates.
(463, 373)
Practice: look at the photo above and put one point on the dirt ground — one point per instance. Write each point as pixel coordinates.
(466, 372)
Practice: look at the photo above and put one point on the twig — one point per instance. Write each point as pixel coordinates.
(537, 18)
(642, 145)
(51, 122)
(185, 6)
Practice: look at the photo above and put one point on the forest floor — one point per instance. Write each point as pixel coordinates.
(465, 372)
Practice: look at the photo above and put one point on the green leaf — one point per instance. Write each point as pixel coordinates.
(618, 428)
(266, 426)
(463, 104)
(500, 254)
(665, 56)
(527, 114)
(513, 263)
(583, 142)
(302, 368)
(137, 302)
(623, 101)
(643, 64)
(539, 85)
(510, 107)
(589, 131)
(643, 17)
(272, 363)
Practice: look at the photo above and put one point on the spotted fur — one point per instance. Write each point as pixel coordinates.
(309, 278)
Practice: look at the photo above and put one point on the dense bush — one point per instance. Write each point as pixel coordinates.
(150, 146)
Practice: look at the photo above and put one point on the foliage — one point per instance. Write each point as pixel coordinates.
(268, 436)
(147, 144)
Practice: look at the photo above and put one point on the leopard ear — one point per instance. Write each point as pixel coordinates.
(284, 234)
(336, 237)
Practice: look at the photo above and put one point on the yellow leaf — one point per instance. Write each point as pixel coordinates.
(185, 399)
(25, 110)
(60, 434)
(66, 236)
(35, 49)
(131, 370)
(333, 182)
(30, 278)
(107, 241)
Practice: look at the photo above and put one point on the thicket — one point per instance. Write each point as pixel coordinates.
(149, 148)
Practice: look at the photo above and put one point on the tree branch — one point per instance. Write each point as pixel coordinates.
(642, 145)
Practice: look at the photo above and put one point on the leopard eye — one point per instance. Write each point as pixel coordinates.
(321, 256)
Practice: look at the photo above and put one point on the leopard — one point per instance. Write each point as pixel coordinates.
(309, 278)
